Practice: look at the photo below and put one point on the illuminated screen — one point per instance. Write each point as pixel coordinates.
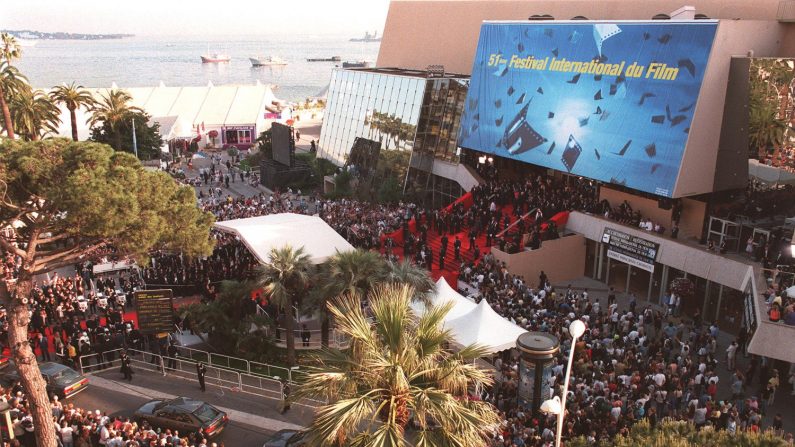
(608, 101)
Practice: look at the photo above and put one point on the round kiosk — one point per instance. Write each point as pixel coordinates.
(537, 350)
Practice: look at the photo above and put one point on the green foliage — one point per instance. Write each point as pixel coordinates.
(684, 434)
(34, 114)
(228, 328)
(120, 135)
(232, 152)
(342, 184)
(285, 278)
(771, 93)
(74, 97)
(396, 368)
(86, 195)
(389, 191)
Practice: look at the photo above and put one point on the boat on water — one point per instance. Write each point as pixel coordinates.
(367, 37)
(214, 58)
(264, 61)
(324, 59)
(356, 64)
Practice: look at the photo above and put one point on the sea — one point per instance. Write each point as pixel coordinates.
(145, 61)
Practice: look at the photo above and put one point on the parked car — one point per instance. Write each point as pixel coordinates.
(286, 438)
(62, 381)
(184, 414)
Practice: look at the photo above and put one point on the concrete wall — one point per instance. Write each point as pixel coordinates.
(561, 259)
(419, 33)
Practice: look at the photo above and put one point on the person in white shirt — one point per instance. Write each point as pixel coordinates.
(731, 356)
(66, 435)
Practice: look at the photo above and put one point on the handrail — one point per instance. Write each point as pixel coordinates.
(534, 210)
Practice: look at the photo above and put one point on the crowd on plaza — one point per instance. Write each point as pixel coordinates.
(632, 363)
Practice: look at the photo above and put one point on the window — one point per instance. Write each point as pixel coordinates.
(244, 136)
(231, 136)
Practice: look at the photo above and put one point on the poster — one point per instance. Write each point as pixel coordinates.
(632, 250)
(608, 101)
(155, 309)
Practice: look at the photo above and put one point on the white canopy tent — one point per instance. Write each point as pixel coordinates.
(485, 327)
(261, 234)
(443, 294)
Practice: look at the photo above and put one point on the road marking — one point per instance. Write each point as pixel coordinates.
(234, 415)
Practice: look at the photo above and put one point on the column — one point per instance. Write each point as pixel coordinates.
(601, 260)
(663, 284)
(720, 299)
(706, 300)
(629, 275)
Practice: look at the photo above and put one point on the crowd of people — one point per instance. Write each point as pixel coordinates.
(632, 363)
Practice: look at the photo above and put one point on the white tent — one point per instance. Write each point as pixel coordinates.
(485, 327)
(261, 234)
(443, 294)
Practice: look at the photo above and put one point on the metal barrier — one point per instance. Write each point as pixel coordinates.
(94, 363)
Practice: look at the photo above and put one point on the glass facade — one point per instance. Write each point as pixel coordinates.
(442, 106)
(377, 106)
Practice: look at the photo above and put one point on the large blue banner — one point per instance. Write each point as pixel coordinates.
(608, 101)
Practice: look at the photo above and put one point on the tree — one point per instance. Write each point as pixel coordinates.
(265, 144)
(229, 327)
(66, 201)
(110, 112)
(352, 271)
(147, 136)
(406, 272)
(10, 77)
(684, 434)
(73, 97)
(396, 368)
(285, 278)
(11, 83)
(34, 114)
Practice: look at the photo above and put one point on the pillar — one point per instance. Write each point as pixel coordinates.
(537, 350)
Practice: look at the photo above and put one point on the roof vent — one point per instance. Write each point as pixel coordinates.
(579, 18)
(540, 17)
(661, 17)
(701, 17)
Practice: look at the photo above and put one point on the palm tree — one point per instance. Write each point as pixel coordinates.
(285, 279)
(11, 83)
(396, 368)
(354, 271)
(73, 97)
(9, 76)
(34, 114)
(112, 109)
(406, 272)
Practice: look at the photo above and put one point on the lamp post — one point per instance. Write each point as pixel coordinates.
(557, 405)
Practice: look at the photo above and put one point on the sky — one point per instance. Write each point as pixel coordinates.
(196, 18)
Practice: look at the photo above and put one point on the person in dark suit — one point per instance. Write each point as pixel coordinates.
(126, 367)
(457, 247)
(201, 370)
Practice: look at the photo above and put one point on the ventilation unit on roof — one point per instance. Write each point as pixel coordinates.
(701, 17)
(579, 18)
(661, 17)
(540, 17)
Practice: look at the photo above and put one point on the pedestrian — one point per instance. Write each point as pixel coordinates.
(731, 356)
(286, 396)
(172, 356)
(44, 345)
(201, 370)
(305, 335)
(126, 367)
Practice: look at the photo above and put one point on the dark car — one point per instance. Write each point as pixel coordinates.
(62, 381)
(184, 414)
(286, 438)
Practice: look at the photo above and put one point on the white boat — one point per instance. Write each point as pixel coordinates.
(215, 57)
(262, 61)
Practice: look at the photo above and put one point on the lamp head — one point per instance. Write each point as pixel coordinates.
(576, 329)
(551, 406)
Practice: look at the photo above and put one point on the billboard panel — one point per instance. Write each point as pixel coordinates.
(282, 144)
(608, 101)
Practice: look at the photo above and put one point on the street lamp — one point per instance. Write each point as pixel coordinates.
(557, 405)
